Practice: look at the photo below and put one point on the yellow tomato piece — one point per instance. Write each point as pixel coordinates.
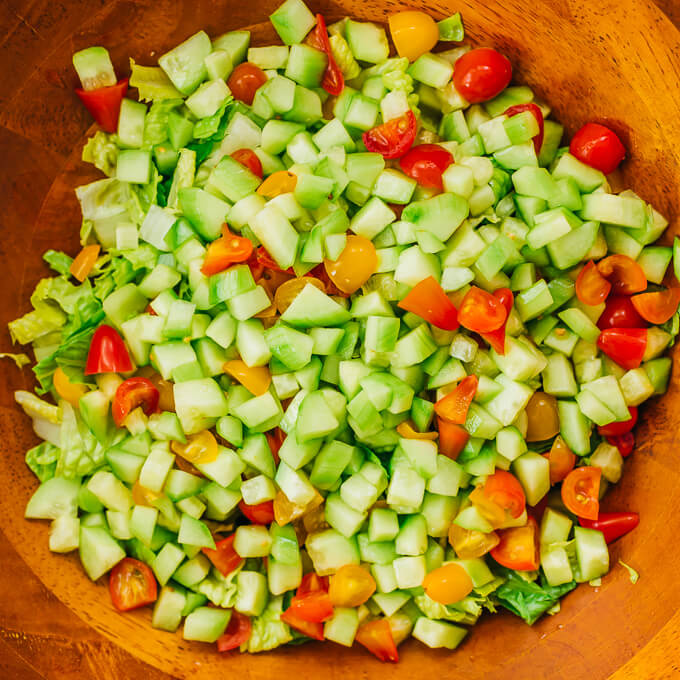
(143, 496)
(355, 265)
(491, 511)
(413, 33)
(543, 417)
(470, 544)
(280, 182)
(84, 262)
(285, 511)
(200, 448)
(351, 586)
(288, 291)
(407, 431)
(255, 379)
(68, 391)
(448, 584)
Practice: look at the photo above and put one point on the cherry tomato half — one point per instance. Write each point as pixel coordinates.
(351, 586)
(104, 103)
(132, 585)
(657, 307)
(448, 584)
(620, 312)
(496, 339)
(255, 379)
(455, 405)
(262, 513)
(481, 312)
(428, 300)
(312, 629)
(518, 547)
(452, 438)
(227, 250)
(581, 491)
(591, 287)
(355, 264)
(614, 429)
(132, 393)
(481, 74)
(107, 353)
(612, 524)
(626, 346)
(624, 273)
(249, 159)
(311, 583)
(333, 81)
(413, 33)
(245, 80)
(537, 114)
(376, 636)
(543, 420)
(625, 443)
(426, 163)
(561, 460)
(238, 632)
(279, 182)
(598, 146)
(70, 391)
(224, 558)
(503, 489)
(393, 138)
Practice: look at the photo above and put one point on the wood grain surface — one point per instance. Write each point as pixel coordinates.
(616, 60)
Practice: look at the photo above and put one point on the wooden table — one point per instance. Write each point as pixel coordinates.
(42, 638)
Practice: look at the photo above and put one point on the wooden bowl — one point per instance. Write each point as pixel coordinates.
(614, 60)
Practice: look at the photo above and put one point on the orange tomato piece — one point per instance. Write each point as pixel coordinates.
(407, 431)
(455, 405)
(624, 273)
(591, 287)
(504, 489)
(581, 491)
(561, 460)
(448, 584)
(227, 250)
(470, 544)
(518, 547)
(70, 392)
(280, 182)
(657, 307)
(84, 262)
(199, 448)
(355, 265)
(543, 417)
(376, 636)
(289, 290)
(351, 586)
(481, 312)
(413, 33)
(285, 511)
(452, 438)
(255, 379)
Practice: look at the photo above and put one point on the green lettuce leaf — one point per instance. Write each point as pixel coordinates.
(103, 198)
(60, 262)
(102, 152)
(268, 630)
(44, 319)
(79, 455)
(142, 257)
(156, 121)
(343, 57)
(152, 83)
(20, 360)
(207, 127)
(35, 407)
(42, 460)
(220, 590)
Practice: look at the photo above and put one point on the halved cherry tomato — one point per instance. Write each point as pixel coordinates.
(537, 114)
(481, 312)
(581, 491)
(311, 583)
(108, 353)
(542, 416)
(319, 272)
(591, 287)
(275, 439)
(199, 448)
(166, 396)
(612, 524)
(132, 393)
(288, 291)
(285, 511)
(238, 631)
(262, 513)
(376, 636)
(428, 300)
(311, 629)
(657, 307)
(224, 558)
(470, 544)
(333, 81)
(625, 443)
(626, 346)
(104, 103)
(503, 489)
(249, 159)
(255, 379)
(518, 547)
(614, 429)
(132, 585)
(413, 33)
(84, 262)
(406, 430)
(351, 586)
(624, 273)
(452, 438)
(481, 74)
(393, 138)
(561, 460)
(355, 264)
(227, 250)
(619, 312)
(66, 389)
(598, 146)
(496, 339)
(245, 80)
(314, 607)
(455, 405)
(426, 163)
(279, 182)
(448, 584)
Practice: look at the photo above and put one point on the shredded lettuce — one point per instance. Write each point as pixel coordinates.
(102, 152)
(60, 262)
(207, 127)
(44, 319)
(37, 408)
(183, 176)
(81, 454)
(20, 360)
(42, 460)
(152, 83)
(343, 57)
(268, 630)
(156, 121)
(220, 590)
(634, 576)
(103, 199)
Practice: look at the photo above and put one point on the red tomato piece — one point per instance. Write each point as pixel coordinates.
(224, 557)
(238, 632)
(312, 583)
(612, 524)
(107, 353)
(313, 607)
(657, 307)
(104, 103)
(454, 406)
(245, 80)
(619, 312)
(393, 138)
(227, 250)
(481, 312)
(132, 393)
(503, 489)
(626, 346)
(481, 74)
(537, 114)
(132, 585)
(518, 547)
(333, 80)
(598, 146)
(249, 159)
(591, 287)
(581, 491)
(614, 429)
(268, 262)
(426, 163)
(376, 636)
(262, 513)
(496, 339)
(275, 439)
(452, 438)
(624, 273)
(625, 443)
(428, 300)
(312, 629)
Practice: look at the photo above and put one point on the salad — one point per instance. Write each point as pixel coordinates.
(354, 346)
